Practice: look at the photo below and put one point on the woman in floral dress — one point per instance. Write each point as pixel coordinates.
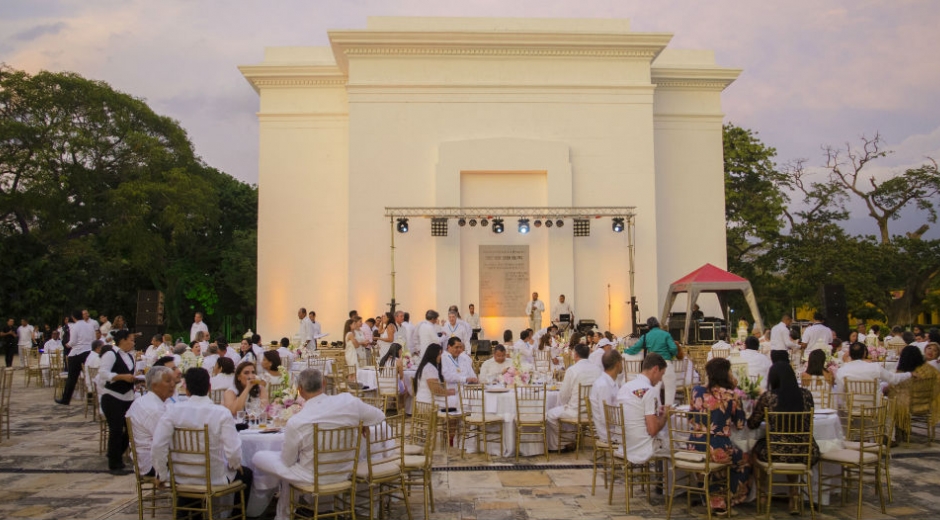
(724, 407)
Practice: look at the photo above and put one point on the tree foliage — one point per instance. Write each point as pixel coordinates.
(101, 197)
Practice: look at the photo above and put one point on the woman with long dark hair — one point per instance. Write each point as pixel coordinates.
(387, 331)
(784, 395)
(912, 360)
(270, 363)
(816, 368)
(429, 368)
(724, 407)
(392, 358)
(248, 387)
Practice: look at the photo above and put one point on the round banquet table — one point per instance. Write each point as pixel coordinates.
(503, 404)
(299, 366)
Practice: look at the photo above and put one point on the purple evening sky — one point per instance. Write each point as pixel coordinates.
(815, 71)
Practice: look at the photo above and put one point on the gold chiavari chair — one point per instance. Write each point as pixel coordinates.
(631, 367)
(418, 466)
(383, 473)
(789, 437)
(796, 359)
(681, 369)
(822, 392)
(581, 424)
(543, 361)
(335, 463)
(721, 352)
(6, 391)
(922, 409)
(218, 396)
(189, 460)
(33, 370)
(449, 416)
(689, 460)
(91, 376)
(698, 355)
(276, 390)
(148, 490)
(57, 375)
(600, 454)
(476, 425)
(386, 379)
(867, 427)
(861, 393)
(643, 474)
(885, 447)
(531, 426)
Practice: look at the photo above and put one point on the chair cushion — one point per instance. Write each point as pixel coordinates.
(849, 456)
(531, 418)
(413, 449)
(200, 489)
(689, 456)
(415, 462)
(479, 419)
(698, 466)
(784, 466)
(325, 489)
(388, 469)
(855, 445)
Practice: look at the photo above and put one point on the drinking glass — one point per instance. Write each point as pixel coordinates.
(240, 416)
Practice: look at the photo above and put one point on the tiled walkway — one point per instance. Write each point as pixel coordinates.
(51, 469)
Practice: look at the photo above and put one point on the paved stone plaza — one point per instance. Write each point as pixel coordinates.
(51, 469)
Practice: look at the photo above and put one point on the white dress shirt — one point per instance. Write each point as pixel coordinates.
(105, 328)
(25, 335)
(81, 334)
(427, 334)
(457, 370)
(757, 364)
(52, 345)
(225, 448)
(597, 358)
(474, 321)
(561, 308)
(535, 308)
(581, 373)
(526, 351)
(106, 375)
(639, 399)
(603, 392)
(233, 354)
(816, 333)
(410, 336)
(222, 381)
(423, 395)
(780, 338)
(860, 369)
(197, 328)
(145, 414)
(490, 369)
(287, 357)
(209, 362)
(460, 329)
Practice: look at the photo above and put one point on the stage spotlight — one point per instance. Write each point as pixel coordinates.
(538, 223)
(582, 227)
(523, 225)
(498, 225)
(484, 222)
(438, 227)
(559, 222)
(548, 223)
(617, 225)
(461, 222)
(473, 222)
(402, 225)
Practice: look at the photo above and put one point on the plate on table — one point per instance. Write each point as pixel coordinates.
(497, 390)
(825, 411)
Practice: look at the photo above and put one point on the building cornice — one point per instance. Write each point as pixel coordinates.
(293, 76)
(692, 78)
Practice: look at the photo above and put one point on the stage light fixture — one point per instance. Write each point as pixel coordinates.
(461, 222)
(523, 225)
(560, 223)
(498, 225)
(438, 227)
(484, 222)
(402, 225)
(537, 223)
(473, 222)
(582, 227)
(617, 225)
(548, 223)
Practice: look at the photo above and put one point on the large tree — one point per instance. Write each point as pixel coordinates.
(100, 197)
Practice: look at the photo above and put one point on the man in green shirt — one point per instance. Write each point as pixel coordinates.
(658, 341)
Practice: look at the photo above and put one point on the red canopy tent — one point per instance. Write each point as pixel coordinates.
(709, 279)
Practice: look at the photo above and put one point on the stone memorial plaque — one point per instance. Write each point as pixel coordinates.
(504, 280)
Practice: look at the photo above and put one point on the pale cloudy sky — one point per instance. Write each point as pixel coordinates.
(815, 71)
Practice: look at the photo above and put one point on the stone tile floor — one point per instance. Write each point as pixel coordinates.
(50, 468)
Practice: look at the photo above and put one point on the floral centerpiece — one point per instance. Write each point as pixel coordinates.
(284, 403)
(833, 362)
(519, 373)
(189, 360)
(877, 353)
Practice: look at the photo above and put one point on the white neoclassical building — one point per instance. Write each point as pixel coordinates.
(465, 112)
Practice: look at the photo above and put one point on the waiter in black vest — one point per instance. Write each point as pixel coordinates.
(117, 370)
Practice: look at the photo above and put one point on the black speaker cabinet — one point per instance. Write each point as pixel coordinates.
(835, 309)
(149, 308)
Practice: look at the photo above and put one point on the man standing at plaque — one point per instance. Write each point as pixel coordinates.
(473, 319)
(534, 310)
(562, 314)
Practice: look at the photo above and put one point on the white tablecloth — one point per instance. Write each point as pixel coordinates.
(264, 485)
(504, 405)
(299, 366)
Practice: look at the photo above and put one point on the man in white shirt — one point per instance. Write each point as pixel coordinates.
(473, 320)
(816, 335)
(920, 341)
(561, 308)
(780, 335)
(860, 328)
(644, 419)
(605, 391)
(860, 369)
(603, 346)
(582, 372)
(305, 333)
(25, 335)
(86, 317)
(721, 345)
(196, 412)
(495, 366)
(525, 347)
(226, 350)
(457, 366)
(209, 358)
(145, 413)
(81, 334)
(408, 331)
(551, 330)
(757, 363)
(455, 328)
(534, 310)
(427, 333)
(53, 344)
(294, 463)
(198, 326)
(314, 325)
(104, 325)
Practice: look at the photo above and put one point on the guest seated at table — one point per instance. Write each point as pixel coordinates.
(581, 372)
(392, 358)
(644, 418)
(247, 353)
(287, 357)
(912, 361)
(209, 357)
(429, 368)
(549, 342)
(197, 412)
(603, 346)
(860, 369)
(757, 364)
(720, 345)
(196, 348)
(816, 369)
(248, 386)
(223, 374)
(456, 365)
(493, 368)
(525, 347)
(604, 391)
(932, 354)
(146, 413)
(294, 463)
(784, 395)
(724, 408)
(270, 363)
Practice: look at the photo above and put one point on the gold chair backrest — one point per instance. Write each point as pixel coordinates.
(218, 395)
(91, 374)
(55, 362)
(721, 352)
(32, 358)
(923, 394)
(336, 454)
(318, 363)
(543, 360)
(681, 368)
(473, 400)
(276, 389)
(530, 404)
(189, 456)
(790, 436)
(387, 380)
(699, 357)
(682, 447)
(631, 367)
(822, 392)
(867, 427)
(6, 388)
(439, 391)
(423, 424)
(384, 443)
(584, 402)
(861, 393)
(613, 416)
